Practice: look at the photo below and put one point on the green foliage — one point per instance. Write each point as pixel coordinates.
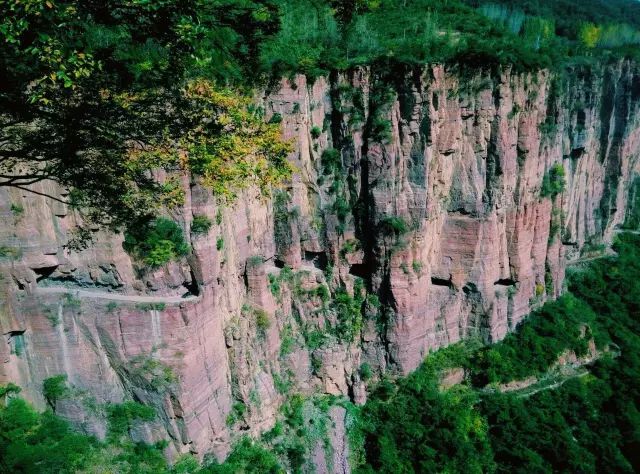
(365, 371)
(42, 443)
(394, 226)
(247, 457)
(553, 182)
(150, 306)
(316, 364)
(331, 161)
(54, 389)
(134, 72)
(315, 132)
(201, 224)
(263, 322)
(348, 311)
(219, 243)
(314, 339)
(287, 341)
(157, 375)
(415, 426)
(168, 84)
(276, 118)
(341, 208)
(17, 210)
(122, 416)
(556, 327)
(237, 412)
(156, 242)
(350, 246)
(305, 424)
(35, 442)
(10, 252)
(305, 42)
(9, 389)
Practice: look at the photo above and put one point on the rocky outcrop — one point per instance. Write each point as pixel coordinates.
(425, 209)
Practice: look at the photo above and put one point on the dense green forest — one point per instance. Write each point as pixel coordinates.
(587, 421)
(168, 83)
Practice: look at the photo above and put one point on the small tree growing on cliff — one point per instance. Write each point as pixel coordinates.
(156, 242)
(122, 416)
(54, 389)
(553, 182)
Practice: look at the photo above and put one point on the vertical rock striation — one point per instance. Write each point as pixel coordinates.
(419, 215)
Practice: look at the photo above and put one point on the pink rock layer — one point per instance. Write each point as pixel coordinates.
(462, 167)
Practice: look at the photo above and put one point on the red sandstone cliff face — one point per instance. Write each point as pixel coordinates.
(430, 222)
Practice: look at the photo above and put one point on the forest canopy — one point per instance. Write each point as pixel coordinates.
(100, 97)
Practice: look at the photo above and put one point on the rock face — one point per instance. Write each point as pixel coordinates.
(426, 208)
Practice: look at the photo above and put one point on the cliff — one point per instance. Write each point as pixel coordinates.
(426, 207)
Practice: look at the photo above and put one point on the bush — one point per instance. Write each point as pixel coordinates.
(121, 416)
(247, 457)
(316, 132)
(263, 322)
(17, 210)
(381, 130)
(365, 372)
(394, 226)
(201, 224)
(349, 314)
(276, 118)
(54, 388)
(156, 242)
(553, 182)
(342, 208)
(330, 160)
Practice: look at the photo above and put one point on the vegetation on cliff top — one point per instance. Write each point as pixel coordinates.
(98, 96)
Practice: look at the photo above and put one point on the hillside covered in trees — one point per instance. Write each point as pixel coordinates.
(161, 79)
(125, 104)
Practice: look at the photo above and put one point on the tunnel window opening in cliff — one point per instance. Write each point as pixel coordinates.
(16, 341)
(193, 289)
(360, 270)
(44, 272)
(317, 259)
(505, 282)
(441, 282)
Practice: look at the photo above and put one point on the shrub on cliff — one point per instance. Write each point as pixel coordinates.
(553, 182)
(54, 388)
(156, 242)
(394, 225)
(201, 224)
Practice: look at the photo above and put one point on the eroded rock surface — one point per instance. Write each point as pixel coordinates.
(428, 218)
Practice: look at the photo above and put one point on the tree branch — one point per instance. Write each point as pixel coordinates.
(17, 186)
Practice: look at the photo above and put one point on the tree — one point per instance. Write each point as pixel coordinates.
(53, 389)
(590, 35)
(100, 95)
